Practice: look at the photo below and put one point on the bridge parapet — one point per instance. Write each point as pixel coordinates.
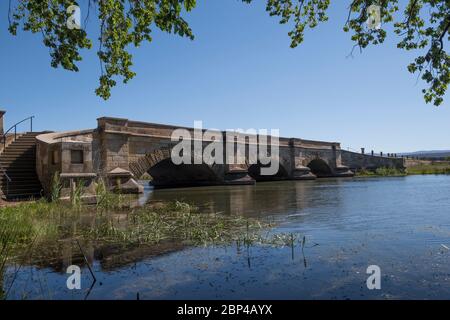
(312, 144)
(359, 161)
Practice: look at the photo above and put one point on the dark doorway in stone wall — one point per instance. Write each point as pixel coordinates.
(254, 171)
(320, 168)
(166, 174)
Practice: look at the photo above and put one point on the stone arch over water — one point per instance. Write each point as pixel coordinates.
(255, 172)
(158, 164)
(320, 168)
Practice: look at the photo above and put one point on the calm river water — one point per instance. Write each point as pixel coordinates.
(400, 224)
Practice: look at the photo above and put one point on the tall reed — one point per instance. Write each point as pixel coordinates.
(56, 187)
(76, 193)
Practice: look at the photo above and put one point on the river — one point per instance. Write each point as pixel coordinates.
(400, 224)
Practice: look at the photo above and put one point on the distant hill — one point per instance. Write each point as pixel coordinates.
(428, 154)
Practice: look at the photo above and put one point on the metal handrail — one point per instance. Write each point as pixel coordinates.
(15, 130)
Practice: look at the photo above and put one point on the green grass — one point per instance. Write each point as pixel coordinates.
(381, 172)
(173, 221)
(46, 221)
(33, 225)
(440, 167)
(437, 167)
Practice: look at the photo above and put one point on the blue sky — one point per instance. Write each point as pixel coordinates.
(239, 72)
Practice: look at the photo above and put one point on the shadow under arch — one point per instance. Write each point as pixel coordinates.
(254, 171)
(320, 168)
(166, 174)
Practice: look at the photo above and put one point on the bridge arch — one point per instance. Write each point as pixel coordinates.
(320, 168)
(158, 164)
(254, 171)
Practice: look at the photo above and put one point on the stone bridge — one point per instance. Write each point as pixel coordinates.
(121, 151)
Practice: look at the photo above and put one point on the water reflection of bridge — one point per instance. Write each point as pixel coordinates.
(61, 254)
(270, 198)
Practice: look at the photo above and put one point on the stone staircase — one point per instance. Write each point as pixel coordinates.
(18, 161)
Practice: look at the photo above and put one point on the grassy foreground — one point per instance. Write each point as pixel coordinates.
(32, 225)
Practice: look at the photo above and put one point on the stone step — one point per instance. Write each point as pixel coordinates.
(19, 162)
(17, 179)
(15, 154)
(18, 169)
(19, 183)
(8, 160)
(29, 142)
(18, 152)
(16, 189)
(10, 155)
(23, 196)
(24, 139)
(19, 148)
(21, 145)
(18, 173)
(16, 145)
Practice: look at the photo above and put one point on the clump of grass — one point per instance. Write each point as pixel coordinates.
(438, 167)
(41, 224)
(30, 220)
(108, 200)
(5, 248)
(105, 199)
(173, 221)
(385, 172)
(364, 173)
(46, 222)
(24, 225)
(381, 172)
(77, 193)
(56, 187)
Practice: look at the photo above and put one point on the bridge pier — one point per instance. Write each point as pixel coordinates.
(237, 175)
(343, 172)
(303, 173)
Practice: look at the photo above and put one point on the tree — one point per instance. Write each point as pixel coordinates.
(423, 26)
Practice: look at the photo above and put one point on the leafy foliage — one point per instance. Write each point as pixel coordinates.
(423, 26)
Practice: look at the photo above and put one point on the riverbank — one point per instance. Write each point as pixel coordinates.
(431, 167)
(381, 172)
(417, 168)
